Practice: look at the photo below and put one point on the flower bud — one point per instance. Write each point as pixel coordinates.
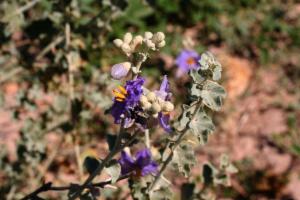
(168, 106)
(127, 38)
(156, 108)
(158, 37)
(155, 115)
(147, 105)
(148, 35)
(150, 44)
(151, 96)
(118, 42)
(138, 39)
(120, 70)
(143, 100)
(126, 48)
(161, 44)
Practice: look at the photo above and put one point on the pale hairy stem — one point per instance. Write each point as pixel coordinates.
(174, 146)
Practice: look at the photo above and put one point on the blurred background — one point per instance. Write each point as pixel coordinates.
(44, 135)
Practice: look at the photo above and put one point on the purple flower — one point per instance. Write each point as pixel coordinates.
(141, 166)
(126, 101)
(187, 59)
(164, 94)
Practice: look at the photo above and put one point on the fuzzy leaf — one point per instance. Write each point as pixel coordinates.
(184, 158)
(197, 75)
(202, 126)
(114, 170)
(212, 95)
(185, 117)
(163, 193)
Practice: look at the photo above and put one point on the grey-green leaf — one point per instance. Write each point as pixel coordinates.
(114, 170)
(184, 158)
(213, 95)
(202, 126)
(185, 117)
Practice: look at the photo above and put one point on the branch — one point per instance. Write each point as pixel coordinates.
(177, 142)
(48, 187)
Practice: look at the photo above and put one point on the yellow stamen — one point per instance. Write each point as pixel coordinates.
(122, 90)
(118, 94)
(190, 61)
(120, 100)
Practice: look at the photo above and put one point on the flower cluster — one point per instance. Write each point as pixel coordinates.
(129, 43)
(134, 103)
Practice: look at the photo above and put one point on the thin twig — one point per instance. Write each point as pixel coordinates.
(48, 187)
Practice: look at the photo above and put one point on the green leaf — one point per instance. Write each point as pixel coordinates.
(213, 95)
(114, 170)
(201, 126)
(184, 158)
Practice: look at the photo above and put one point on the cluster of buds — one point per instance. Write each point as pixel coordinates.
(154, 41)
(129, 43)
(154, 104)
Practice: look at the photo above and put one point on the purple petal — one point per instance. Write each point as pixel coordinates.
(151, 168)
(127, 163)
(164, 90)
(143, 158)
(182, 61)
(117, 109)
(134, 90)
(164, 122)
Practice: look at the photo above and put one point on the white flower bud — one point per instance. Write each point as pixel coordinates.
(138, 39)
(148, 35)
(155, 115)
(161, 44)
(156, 108)
(150, 44)
(126, 48)
(151, 96)
(118, 42)
(127, 38)
(168, 106)
(158, 37)
(143, 100)
(147, 105)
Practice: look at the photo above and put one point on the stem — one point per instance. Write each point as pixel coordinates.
(177, 142)
(117, 148)
(48, 187)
